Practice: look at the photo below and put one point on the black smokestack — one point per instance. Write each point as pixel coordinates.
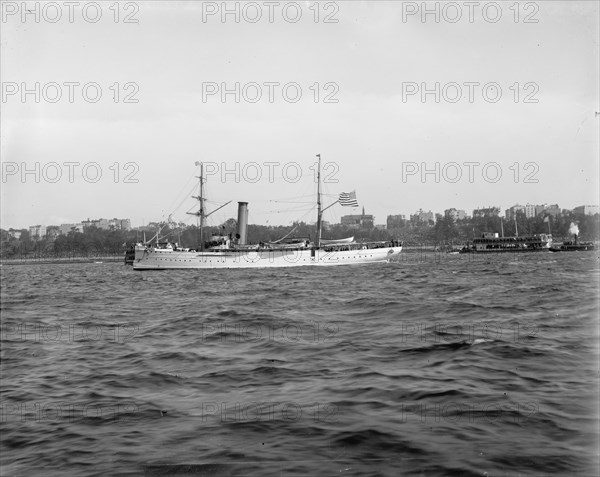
(243, 222)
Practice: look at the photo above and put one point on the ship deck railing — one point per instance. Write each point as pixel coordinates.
(263, 248)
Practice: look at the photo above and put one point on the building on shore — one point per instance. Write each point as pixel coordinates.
(108, 224)
(586, 210)
(422, 217)
(37, 232)
(545, 209)
(486, 212)
(529, 210)
(396, 221)
(455, 214)
(358, 221)
(65, 229)
(52, 232)
(15, 233)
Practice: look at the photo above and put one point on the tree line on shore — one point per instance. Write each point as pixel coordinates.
(446, 232)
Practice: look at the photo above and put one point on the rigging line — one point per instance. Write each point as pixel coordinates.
(273, 212)
(186, 187)
(291, 202)
(294, 207)
(186, 197)
(183, 200)
(255, 201)
(296, 197)
(296, 177)
(304, 196)
(285, 211)
(301, 219)
(214, 201)
(287, 235)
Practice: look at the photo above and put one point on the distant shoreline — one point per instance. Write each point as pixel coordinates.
(37, 260)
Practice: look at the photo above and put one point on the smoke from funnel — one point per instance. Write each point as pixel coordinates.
(573, 229)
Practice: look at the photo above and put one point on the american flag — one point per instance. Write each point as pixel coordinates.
(348, 199)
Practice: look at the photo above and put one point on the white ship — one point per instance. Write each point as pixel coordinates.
(233, 252)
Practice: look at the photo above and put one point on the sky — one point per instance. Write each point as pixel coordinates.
(457, 106)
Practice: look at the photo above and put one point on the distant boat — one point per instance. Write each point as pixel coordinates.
(574, 246)
(450, 249)
(224, 251)
(491, 243)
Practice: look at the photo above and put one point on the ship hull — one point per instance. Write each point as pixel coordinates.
(573, 248)
(507, 250)
(156, 259)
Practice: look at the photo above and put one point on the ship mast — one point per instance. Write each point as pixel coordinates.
(319, 211)
(200, 199)
(202, 212)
